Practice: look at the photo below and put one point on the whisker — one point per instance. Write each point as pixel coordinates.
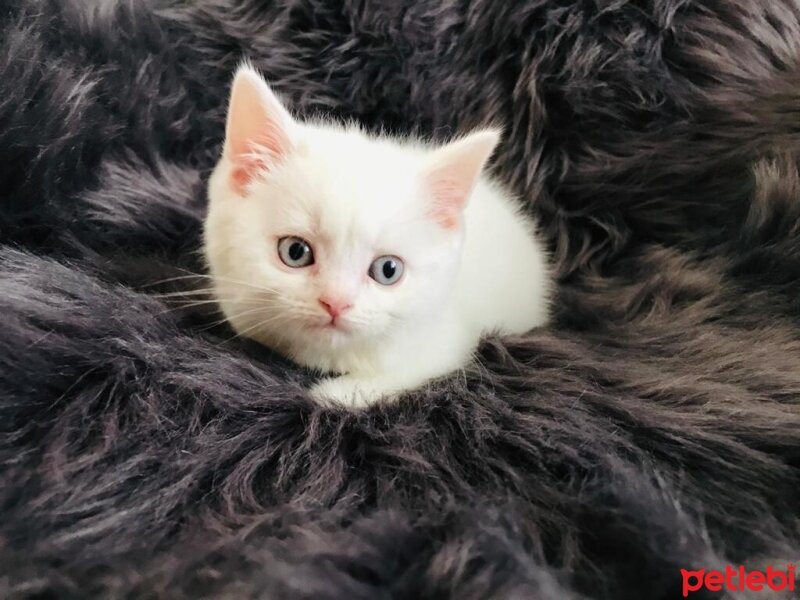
(183, 294)
(200, 276)
(173, 279)
(209, 290)
(261, 302)
(187, 305)
(225, 320)
(258, 325)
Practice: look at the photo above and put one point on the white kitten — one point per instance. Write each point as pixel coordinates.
(378, 259)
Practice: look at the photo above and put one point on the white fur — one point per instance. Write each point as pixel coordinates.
(353, 198)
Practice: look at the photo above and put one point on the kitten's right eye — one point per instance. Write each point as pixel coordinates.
(295, 252)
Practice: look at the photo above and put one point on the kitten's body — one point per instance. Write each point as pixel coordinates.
(470, 267)
(489, 294)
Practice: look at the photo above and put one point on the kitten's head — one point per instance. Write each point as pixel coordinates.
(321, 240)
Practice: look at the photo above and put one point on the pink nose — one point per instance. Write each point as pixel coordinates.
(334, 306)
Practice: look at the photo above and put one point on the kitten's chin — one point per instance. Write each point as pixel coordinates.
(330, 335)
(330, 328)
(328, 347)
(331, 350)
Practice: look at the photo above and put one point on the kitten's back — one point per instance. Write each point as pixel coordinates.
(504, 281)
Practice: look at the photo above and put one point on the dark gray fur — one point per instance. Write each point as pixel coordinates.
(655, 426)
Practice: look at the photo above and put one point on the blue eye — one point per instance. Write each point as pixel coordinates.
(295, 252)
(386, 270)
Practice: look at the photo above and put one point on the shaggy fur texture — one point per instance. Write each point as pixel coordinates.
(654, 426)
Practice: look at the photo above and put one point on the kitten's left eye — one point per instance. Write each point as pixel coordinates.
(386, 270)
(295, 252)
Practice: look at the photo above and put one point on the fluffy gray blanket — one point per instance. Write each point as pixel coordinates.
(654, 426)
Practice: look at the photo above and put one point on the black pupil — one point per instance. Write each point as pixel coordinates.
(297, 251)
(389, 269)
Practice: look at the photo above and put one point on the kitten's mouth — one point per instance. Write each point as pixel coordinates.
(334, 325)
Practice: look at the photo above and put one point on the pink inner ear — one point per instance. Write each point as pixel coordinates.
(243, 173)
(453, 173)
(254, 158)
(448, 199)
(257, 136)
(270, 143)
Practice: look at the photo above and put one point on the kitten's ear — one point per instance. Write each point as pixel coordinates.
(453, 171)
(259, 129)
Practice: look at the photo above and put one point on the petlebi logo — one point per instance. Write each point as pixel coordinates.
(739, 579)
